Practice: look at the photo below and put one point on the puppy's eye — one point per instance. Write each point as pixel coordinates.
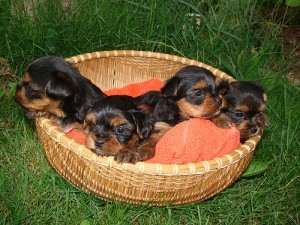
(223, 92)
(120, 129)
(240, 115)
(199, 93)
(93, 129)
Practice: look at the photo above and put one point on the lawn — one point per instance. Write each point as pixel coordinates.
(233, 36)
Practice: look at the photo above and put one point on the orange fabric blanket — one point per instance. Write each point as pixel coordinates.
(193, 141)
(190, 141)
(137, 89)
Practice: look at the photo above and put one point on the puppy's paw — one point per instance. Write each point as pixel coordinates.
(146, 152)
(127, 155)
(98, 152)
(66, 128)
(35, 114)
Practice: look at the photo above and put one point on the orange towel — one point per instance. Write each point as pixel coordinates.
(190, 141)
(137, 89)
(77, 135)
(195, 140)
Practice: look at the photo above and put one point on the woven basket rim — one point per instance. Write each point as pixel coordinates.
(141, 167)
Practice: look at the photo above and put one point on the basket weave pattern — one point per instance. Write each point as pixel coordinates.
(141, 183)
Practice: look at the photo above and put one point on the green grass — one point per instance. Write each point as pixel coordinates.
(232, 37)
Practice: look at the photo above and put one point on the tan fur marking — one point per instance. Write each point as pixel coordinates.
(44, 104)
(210, 105)
(54, 108)
(262, 107)
(200, 85)
(243, 108)
(208, 109)
(162, 126)
(188, 110)
(36, 104)
(20, 96)
(91, 118)
(222, 121)
(111, 147)
(265, 97)
(90, 141)
(133, 140)
(26, 78)
(116, 121)
(85, 127)
(244, 128)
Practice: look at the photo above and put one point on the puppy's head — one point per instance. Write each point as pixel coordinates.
(46, 83)
(194, 90)
(53, 86)
(246, 104)
(113, 124)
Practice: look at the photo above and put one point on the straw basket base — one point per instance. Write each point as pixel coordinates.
(141, 183)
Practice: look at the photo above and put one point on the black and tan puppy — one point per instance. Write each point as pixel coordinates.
(115, 127)
(190, 93)
(53, 87)
(244, 105)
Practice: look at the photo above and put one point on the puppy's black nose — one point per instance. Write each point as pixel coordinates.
(253, 130)
(19, 86)
(219, 101)
(99, 142)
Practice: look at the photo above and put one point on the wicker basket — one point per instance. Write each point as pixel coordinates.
(142, 183)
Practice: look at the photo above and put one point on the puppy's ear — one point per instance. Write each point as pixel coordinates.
(166, 110)
(88, 120)
(143, 122)
(223, 86)
(59, 86)
(149, 98)
(171, 87)
(265, 120)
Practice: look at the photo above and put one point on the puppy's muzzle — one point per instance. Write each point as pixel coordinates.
(218, 101)
(18, 87)
(99, 142)
(253, 130)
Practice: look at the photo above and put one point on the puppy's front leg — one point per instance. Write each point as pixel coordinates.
(72, 126)
(127, 155)
(147, 149)
(66, 127)
(136, 154)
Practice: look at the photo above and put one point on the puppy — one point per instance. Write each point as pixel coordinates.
(244, 105)
(190, 93)
(53, 87)
(115, 127)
